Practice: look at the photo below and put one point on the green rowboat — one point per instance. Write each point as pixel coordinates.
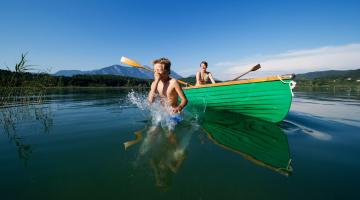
(261, 142)
(266, 98)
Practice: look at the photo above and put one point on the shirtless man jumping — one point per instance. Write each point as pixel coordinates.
(166, 87)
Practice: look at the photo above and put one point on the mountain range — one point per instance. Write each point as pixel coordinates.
(143, 74)
(115, 70)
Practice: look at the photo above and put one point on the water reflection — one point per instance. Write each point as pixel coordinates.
(261, 142)
(163, 149)
(12, 117)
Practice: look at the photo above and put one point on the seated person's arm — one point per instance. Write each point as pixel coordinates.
(198, 78)
(211, 78)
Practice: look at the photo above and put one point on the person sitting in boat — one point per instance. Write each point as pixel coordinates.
(167, 88)
(203, 76)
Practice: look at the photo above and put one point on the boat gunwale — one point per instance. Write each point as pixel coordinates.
(253, 80)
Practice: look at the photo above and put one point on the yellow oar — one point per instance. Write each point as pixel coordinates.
(138, 138)
(133, 63)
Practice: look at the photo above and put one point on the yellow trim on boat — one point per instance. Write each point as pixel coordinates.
(254, 80)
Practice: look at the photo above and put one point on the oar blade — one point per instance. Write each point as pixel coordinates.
(256, 67)
(130, 62)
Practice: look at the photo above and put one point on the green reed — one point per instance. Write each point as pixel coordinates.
(16, 87)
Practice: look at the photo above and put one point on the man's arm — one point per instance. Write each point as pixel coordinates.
(152, 92)
(182, 96)
(211, 78)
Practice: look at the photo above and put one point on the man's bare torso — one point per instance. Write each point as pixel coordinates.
(167, 93)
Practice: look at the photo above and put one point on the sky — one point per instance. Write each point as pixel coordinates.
(232, 35)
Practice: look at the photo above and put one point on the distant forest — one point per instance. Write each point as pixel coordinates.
(347, 78)
(27, 79)
(8, 78)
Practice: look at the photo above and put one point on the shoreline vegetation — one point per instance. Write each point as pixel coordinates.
(26, 79)
(22, 87)
(17, 88)
(329, 82)
(329, 79)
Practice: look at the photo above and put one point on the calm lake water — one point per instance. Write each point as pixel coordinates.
(73, 146)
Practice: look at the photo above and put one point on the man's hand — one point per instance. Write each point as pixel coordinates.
(153, 89)
(177, 109)
(156, 77)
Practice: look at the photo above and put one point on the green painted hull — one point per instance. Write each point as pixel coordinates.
(261, 142)
(269, 100)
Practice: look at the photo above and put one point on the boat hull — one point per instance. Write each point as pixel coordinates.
(265, 98)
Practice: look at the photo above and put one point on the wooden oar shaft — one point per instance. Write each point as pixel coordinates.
(180, 81)
(241, 75)
(147, 69)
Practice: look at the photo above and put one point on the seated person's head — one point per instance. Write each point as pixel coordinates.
(203, 65)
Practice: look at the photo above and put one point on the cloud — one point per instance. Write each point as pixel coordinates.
(295, 61)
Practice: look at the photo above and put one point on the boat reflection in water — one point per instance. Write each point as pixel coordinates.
(165, 150)
(261, 142)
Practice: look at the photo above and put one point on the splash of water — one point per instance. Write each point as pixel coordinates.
(162, 125)
(160, 113)
(138, 99)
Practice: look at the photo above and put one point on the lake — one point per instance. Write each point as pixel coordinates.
(104, 143)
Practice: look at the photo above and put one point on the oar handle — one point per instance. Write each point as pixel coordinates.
(184, 83)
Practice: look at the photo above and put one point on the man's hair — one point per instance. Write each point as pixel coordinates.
(204, 62)
(166, 62)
